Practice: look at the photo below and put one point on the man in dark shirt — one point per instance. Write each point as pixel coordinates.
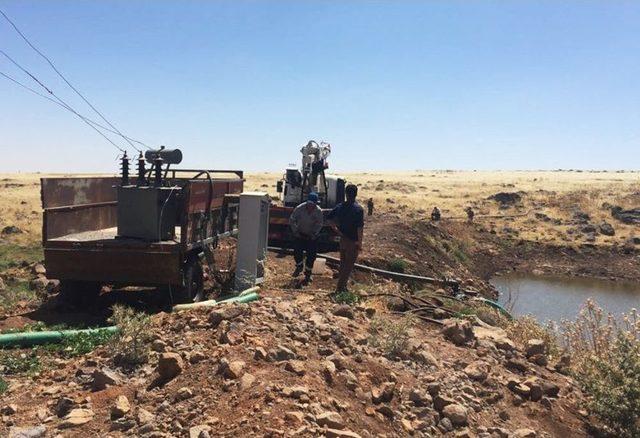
(348, 218)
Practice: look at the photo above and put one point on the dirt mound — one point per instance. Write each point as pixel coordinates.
(295, 364)
(507, 198)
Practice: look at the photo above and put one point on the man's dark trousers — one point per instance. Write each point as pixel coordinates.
(301, 246)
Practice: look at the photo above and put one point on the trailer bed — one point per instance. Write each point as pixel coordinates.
(110, 235)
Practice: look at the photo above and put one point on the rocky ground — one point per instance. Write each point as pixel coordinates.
(295, 364)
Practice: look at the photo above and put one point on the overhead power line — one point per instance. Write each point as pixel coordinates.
(66, 107)
(64, 78)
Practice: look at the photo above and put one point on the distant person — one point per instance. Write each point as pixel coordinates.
(348, 218)
(435, 214)
(306, 223)
(470, 214)
(369, 206)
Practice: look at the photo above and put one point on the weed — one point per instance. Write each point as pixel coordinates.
(12, 255)
(20, 363)
(524, 328)
(392, 335)
(346, 297)
(398, 264)
(83, 343)
(131, 344)
(3, 386)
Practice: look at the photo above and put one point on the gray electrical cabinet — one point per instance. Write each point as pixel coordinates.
(147, 213)
(253, 235)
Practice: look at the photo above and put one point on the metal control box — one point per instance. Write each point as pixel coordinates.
(253, 233)
(147, 213)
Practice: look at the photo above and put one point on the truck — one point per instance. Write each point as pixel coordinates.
(293, 189)
(159, 230)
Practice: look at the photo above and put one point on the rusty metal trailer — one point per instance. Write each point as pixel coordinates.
(82, 248)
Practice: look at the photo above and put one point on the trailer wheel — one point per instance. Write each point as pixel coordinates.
(79, 293)
(193, 289)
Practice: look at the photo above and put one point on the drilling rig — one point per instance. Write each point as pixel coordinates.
(293, 189)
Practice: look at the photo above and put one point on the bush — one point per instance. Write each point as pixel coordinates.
(20, 363)
(390, 335)
(83, 343)
(398, 265)
(524, 328)
(131, 344)
(346, 297)
(3, 386)
(605, 356)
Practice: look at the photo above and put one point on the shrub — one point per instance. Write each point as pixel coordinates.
(524, 328)
(20, 363)
(131, 344)
(83, 343)
(392, 335)
(398, 265)
(3, 386)
(346, 297)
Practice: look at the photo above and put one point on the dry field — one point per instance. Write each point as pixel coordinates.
(558, 194)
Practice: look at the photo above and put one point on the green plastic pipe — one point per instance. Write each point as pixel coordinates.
(495, 305)
(26, 339)
(253, 296)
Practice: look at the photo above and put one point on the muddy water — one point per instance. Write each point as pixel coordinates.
(557, 298)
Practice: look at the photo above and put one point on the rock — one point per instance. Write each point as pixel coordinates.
(344, 310)
(425, 357)
(120, 408)
(158, 345)
(28, 432)
(39, 269)
(294, 417)
(535, 347)
(506, 198)
(9, 409)
(200, 431)
(184, 393)
(102, 378)
(383, 393)
(39, 284)
(606, 229)
(281, 353)
(169, 366)
(420, 398)
(260, 354)
(296, 367)
(550, 389)
(11, 229)
(332, 420)
(440, 402)
(328, 371)
(246, 381)
(63, 406)
(456, 413)
(517, 365)
(295, 391)
(3, 287)
(336, 433)
(539, 359)
(524, 433)
(231, 370)
(458, 331)
(144, 417)
(496, 335)
(476, 371)
(77, 417)
(386, 411)
(226, 312)
(626, 216)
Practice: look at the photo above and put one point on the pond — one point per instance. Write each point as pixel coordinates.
(554, 298)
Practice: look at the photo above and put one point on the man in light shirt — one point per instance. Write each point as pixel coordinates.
(306, 223)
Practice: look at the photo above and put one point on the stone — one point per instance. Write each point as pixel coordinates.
(476, 371)
(295, 391)
(170, 365)
(495, 335)
(328, 371)
(246, 381)
(459, 332)
(63, 406)
(420, 398)
(550, 389)
(332, 420)
(3, 286)
(383, 393)
(9, 409)
(606, 229)
(524, 433)
(344, 310)
(226, 312)
(336, 433)
(144, 417)
(28, 432)
(281, 353)
(184, 393)
(296, 367)
(231, 370)
(535, 346)
(39, 269)
(294, 417)
(456, 413)
(77, 417)
(440, 402)
(197, 356)
(11, 229)
(425, 357)
(517, 365)
(200, 431)
(120, 408)
(102, 378)
(386, 411)
(260, 354)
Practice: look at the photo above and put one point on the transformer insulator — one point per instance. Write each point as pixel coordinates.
(141, 170)
(125, 169)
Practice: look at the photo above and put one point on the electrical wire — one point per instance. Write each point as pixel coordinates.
(66, 107)
(65, 79)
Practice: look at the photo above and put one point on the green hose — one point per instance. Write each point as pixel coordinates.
(247, 298)
(495, 305)
(27, 339)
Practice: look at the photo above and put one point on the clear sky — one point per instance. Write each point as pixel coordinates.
(392, 85)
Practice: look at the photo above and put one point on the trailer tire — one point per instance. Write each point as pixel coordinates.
(193, 289)
(79, 293)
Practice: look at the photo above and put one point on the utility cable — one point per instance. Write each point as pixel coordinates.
(66, 107)
(64, 78)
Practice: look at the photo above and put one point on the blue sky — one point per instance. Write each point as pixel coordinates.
(392, 85)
